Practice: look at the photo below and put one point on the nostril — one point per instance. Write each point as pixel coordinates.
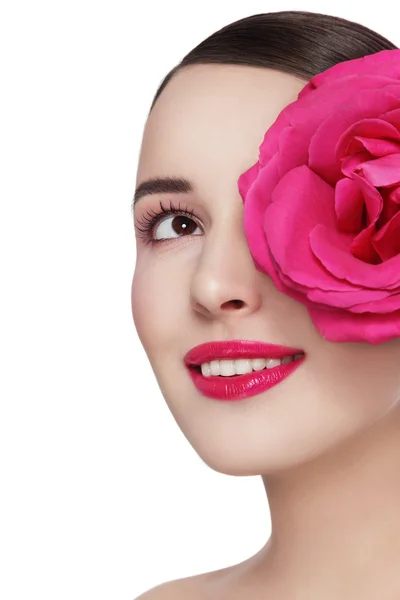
(234, 303)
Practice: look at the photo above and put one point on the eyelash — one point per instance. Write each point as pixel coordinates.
(146, 225)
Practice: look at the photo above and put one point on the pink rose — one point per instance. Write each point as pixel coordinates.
(322, 204)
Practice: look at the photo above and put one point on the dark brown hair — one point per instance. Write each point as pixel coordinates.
(298, 42)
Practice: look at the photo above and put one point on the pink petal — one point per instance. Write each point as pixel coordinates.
(344, 326)
(387, 305)
(366, 104)
(305, 116)
(300, 202)
(269, 145)
(333, 250)
(292, 150)
(372, 198)
(247, 179)
(350, 164)
(393, 117)
(395, 195)
(386, 62)
(391, 201)
(352, 298)
(376, 148)
(387, 240)
(361, 247)
(366, 128)
(382, 171)
(349, 205)
(256, 201)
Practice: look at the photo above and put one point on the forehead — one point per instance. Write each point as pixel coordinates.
(211, 119)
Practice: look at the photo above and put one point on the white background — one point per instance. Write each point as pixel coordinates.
(101, 495)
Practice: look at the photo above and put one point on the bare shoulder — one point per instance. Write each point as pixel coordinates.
(164, 591)
(205, 586)
(188, 588)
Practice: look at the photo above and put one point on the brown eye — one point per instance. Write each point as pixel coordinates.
(181, 220)
(175, 226)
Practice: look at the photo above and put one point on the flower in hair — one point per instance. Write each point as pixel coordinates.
(322, 203)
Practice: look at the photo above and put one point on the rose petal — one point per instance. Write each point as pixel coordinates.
(381, 171)
(269, 145)
(349, 205)
(361, 247)
(393, 117)
(350, 164)
(332, 249)
(394, 195)
(387, 305)
(386, 62)
(256, 200)
(376, 148)
(305, 220)
(306, 115)
(352, 298)
(345, 326)
(247, 179)
(365, 129)
(372, 198)
(322, 155)
(300, 201)
(386, 241)
(292, 152)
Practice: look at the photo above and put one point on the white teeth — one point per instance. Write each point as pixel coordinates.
(205, 369)
(273, 362)
(258, 363)
(214, 366)
(227, 368)
(243, 365)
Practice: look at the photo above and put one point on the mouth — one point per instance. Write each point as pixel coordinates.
(239, 369)
(224, 368)
(237, 350)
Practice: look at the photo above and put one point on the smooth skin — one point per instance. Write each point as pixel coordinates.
(326, 440)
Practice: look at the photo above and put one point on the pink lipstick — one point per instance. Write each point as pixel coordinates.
(238, 387)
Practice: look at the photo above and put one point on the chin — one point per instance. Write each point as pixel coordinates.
(233, 459)
(266, 450)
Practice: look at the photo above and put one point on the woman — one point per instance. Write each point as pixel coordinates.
(326, 440)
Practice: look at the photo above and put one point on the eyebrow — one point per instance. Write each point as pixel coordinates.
(162, 185)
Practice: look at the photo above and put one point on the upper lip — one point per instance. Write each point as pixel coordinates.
(236, 349)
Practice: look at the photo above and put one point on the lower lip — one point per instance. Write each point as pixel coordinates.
(239, 387)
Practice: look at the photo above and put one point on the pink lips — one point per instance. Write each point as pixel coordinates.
(239, 387)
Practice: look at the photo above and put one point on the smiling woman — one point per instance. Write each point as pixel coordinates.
(241, 360)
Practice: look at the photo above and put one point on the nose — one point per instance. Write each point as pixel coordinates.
(225, 283)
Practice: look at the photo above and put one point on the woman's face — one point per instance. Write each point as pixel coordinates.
(206, 127)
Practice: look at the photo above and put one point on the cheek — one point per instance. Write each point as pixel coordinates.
(147, 310)
(154, 304)
(363, 383)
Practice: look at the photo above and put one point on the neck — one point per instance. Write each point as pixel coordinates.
(337, 518)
